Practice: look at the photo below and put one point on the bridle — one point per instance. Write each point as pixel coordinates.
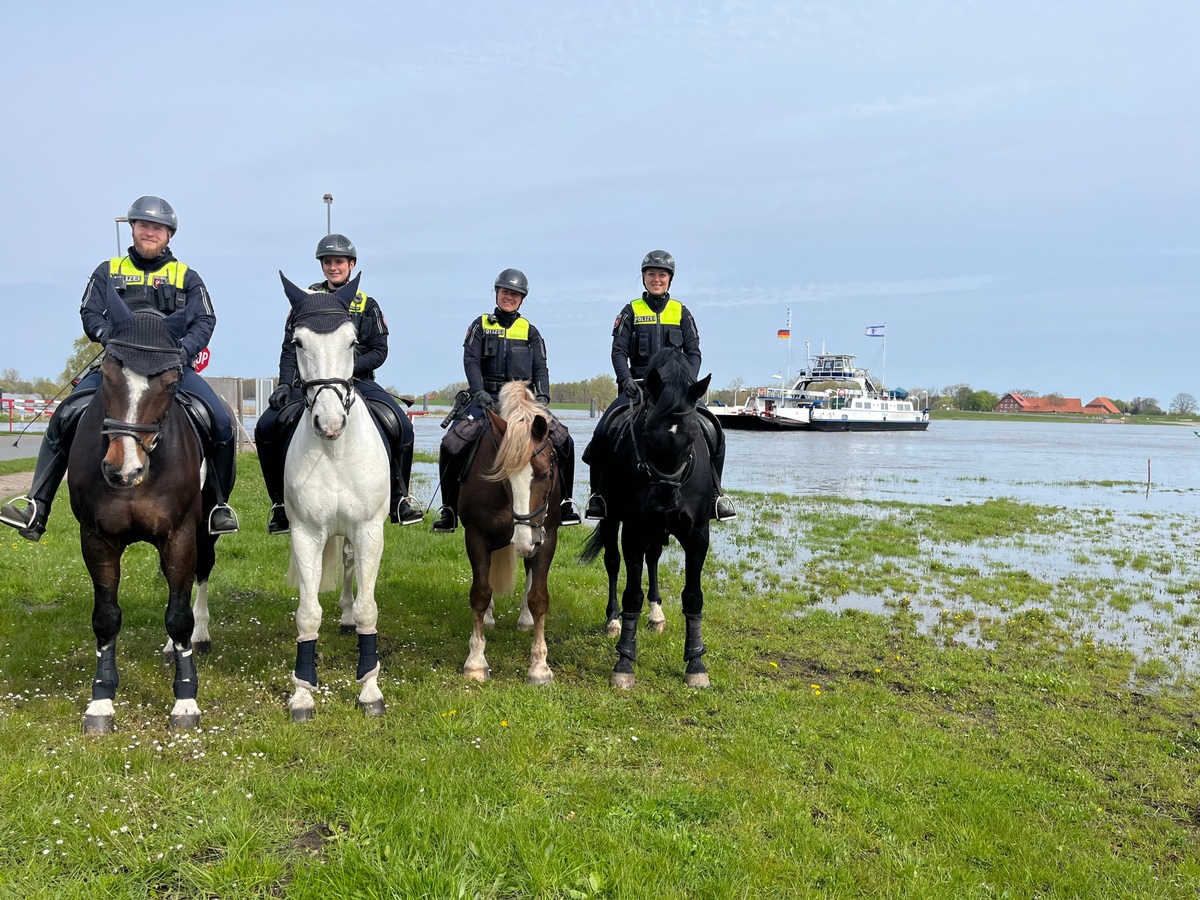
(541, 511)
(656, 476)
(337, 385)
(137, 430)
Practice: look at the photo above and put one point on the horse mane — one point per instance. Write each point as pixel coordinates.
(519, 409)
(675, 371)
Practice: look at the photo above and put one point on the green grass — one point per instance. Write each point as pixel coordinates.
(839, 753)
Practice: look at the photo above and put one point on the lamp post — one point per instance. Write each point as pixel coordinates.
(119, 220)
(328, 198)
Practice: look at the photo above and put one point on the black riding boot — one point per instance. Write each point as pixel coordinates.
(714, 437)
(402, 510)
(448, 471)
(564, 451)
(594, 455)
(222, 464)
(272, 446)
(30, 520)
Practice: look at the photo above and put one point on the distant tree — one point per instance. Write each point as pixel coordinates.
(8, 378)
(1024, 392)
(963, 395)
(1144, 406)
(83, 351)
(1184, 404)
(981, 401)
(1053, 395)
(1122, 405)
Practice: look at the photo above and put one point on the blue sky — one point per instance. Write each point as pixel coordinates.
(1011, 187)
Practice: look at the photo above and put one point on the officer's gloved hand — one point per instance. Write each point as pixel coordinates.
(631, 389)
(279, 397)
(542, 399)
(482, 398)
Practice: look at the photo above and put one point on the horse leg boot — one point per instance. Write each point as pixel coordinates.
(695, 674)
(98, 718)
(622, 674)
(370, 698)
(305, 678)
(30, 520)
(186, 714)
(714, 437)
(449, 476)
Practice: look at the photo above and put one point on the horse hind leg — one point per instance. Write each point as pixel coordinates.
(612, 567)
(655, 618)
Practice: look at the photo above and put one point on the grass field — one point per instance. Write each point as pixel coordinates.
(971, 739)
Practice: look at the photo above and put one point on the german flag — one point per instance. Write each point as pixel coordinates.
(785, 332)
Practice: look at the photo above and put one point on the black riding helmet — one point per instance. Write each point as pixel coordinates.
(336, 245)
(659, 259)
(514, 280)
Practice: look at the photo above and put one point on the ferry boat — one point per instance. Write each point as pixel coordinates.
(831, 394)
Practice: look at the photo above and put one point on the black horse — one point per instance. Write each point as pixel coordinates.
(658, 482)
(135, 475)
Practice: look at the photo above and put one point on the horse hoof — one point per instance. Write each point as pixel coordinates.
(372, 708)
(204, 647)
(303, 714)
(525, 627)
(548, 678)
(98, 725)
(699, 680)
(613, 628)
(480, 675)
(185, 721)
(346, 629)
(623, 680)
(658, 627)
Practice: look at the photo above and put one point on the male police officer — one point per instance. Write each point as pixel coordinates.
(500, 347)
(273, 432)
(149, 277)
(644, 326)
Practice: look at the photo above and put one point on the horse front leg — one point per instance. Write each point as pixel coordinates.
(612, 567)
(307, 550)
(655, 617)
(695, 552)
(103, 561)
(201, 639)
(537, 605)
(631, 610)
(178, 557)
(476, 667)
(369, 550)
(346, 600)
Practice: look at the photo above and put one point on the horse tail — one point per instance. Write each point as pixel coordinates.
(598, 540)
(503, 576)
(331, 566)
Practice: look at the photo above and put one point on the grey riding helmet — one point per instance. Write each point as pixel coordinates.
(514, 280)
(153, 209)
(336, 245)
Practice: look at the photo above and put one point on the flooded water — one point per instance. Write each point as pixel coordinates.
(1069, 465)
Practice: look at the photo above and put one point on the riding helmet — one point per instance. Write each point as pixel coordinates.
(336, 245)
(153, 209)
(514, 280)
(659, 259)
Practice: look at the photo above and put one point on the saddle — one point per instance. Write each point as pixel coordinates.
(199, 417)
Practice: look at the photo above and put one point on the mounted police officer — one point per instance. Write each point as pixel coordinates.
(149, 277)
(272, 434)
(501, 346)
(644, 326)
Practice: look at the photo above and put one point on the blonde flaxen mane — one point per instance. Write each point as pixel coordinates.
(519, 409)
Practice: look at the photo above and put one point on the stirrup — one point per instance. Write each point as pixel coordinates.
(408, 512)
(19, 518)
(223, 529)
(723, 510)
(569, 514)
(447, 521)
(278, 524)
(596, 509)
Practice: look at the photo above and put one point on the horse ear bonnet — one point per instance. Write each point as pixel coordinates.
(144, 344)
(321, 312)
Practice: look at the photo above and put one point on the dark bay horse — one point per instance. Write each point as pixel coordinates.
(135, 475)
(658, 482)
(509, 507)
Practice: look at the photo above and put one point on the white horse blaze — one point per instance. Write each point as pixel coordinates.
(522, 486)
(138, 385)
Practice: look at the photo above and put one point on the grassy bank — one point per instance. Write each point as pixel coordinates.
(988, 748)
(1189, 421)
